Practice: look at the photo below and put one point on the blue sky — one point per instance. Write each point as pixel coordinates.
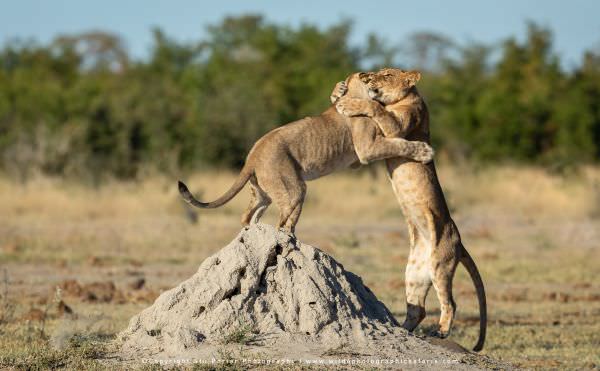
(576, 24)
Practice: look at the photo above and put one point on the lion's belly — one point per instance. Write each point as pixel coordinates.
(324, 147)
(327, 163)
(418, 191)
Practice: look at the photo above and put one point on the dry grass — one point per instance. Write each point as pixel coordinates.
(534, 235)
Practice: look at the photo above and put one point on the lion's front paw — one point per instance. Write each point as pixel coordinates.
(339, 91)
(423, 152)
(353, 107)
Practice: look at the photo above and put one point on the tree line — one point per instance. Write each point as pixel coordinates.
(80, 106)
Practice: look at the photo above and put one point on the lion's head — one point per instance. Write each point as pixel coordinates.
(389, 85)
(357, 87)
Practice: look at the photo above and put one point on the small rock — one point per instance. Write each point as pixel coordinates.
(70, 287)
(99, 292)
(137, 284)
(63, 309)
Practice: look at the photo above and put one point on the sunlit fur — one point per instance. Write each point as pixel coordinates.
(281, 162)
(390, 85)
(435, 244)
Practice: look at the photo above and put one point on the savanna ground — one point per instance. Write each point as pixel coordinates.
(111, 250)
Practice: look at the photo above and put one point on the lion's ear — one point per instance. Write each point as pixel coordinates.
(365, 77)
(413, 77)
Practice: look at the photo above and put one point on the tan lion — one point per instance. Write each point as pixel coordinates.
(282, 160)
(435, 243)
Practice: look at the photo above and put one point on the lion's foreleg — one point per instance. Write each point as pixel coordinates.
(372, 147)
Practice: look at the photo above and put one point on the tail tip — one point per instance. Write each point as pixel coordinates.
(184, 191)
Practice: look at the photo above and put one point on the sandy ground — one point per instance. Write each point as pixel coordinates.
(112, 251)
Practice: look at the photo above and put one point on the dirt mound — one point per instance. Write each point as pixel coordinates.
(278, 297)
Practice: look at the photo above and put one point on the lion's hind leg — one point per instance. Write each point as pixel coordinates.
(292, 220)
(290, 206)
(287, 189)
(443, 274)
(259, 202)
(418, 282)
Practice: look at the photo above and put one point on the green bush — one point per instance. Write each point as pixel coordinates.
(81, 107)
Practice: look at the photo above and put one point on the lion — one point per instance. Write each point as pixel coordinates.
(435, 243)
(280, 163)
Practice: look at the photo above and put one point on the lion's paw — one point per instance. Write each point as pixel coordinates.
(339, 91)
(351, 107)
(423, 152)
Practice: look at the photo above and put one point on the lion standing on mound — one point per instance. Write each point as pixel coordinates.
(280, 163)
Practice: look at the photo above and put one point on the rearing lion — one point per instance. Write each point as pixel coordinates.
(435, 243)
(282, 160)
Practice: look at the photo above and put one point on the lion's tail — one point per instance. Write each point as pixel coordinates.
(469, 264)
(242, 179)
